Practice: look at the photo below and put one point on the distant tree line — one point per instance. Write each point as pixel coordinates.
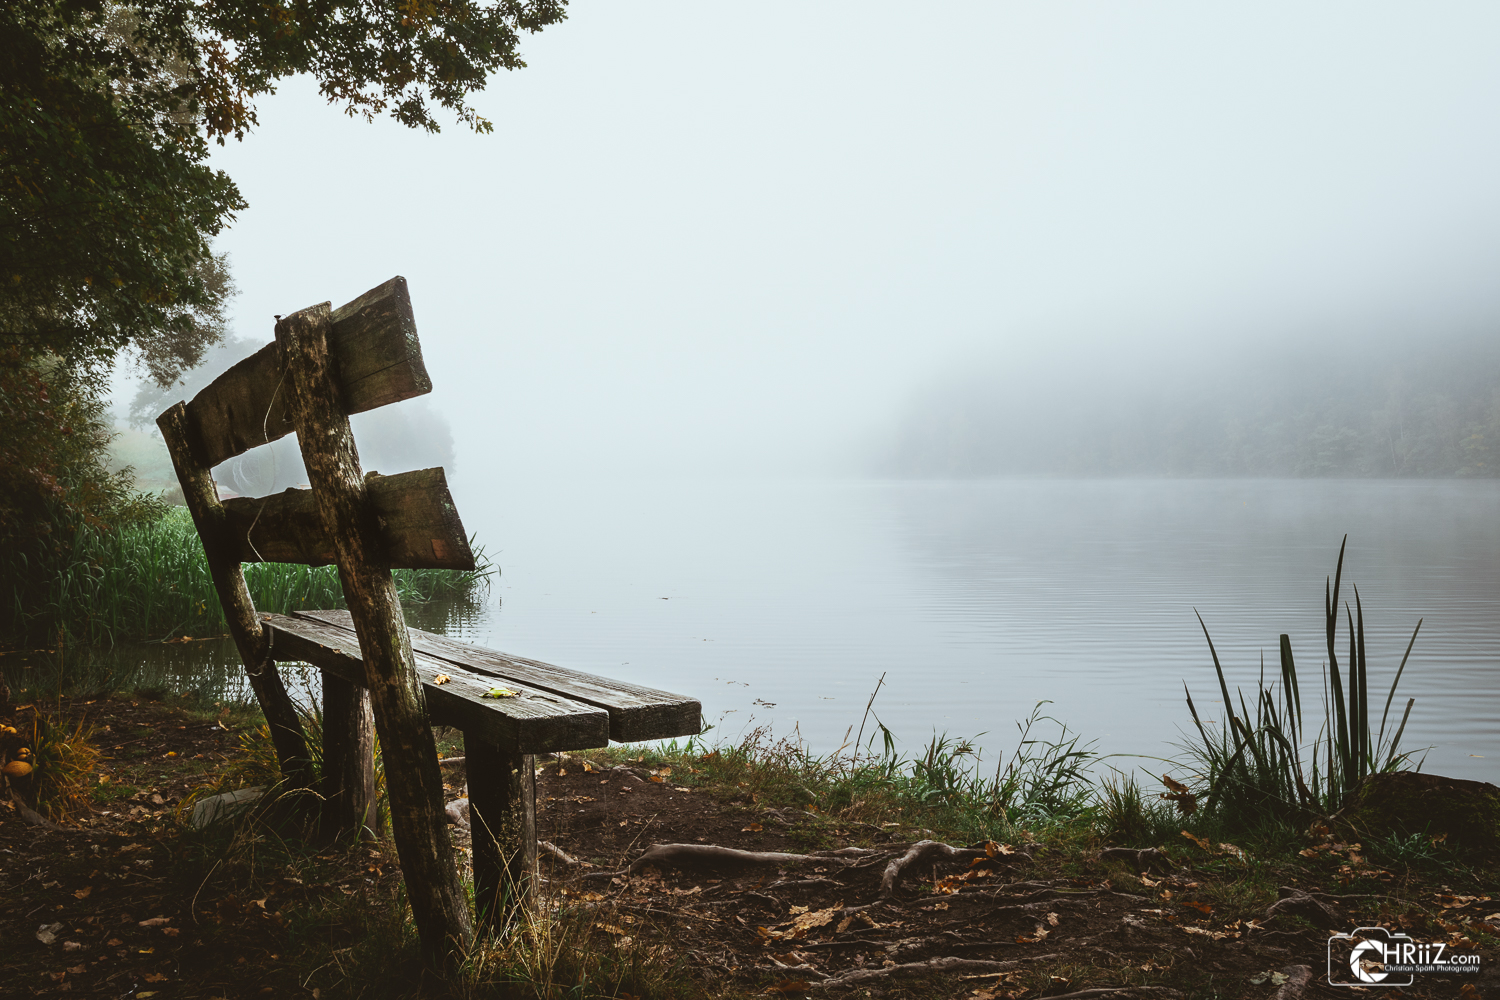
(1399, 411)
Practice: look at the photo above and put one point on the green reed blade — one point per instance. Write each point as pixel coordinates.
(1289, 685)
(1218, 669)
(1396, 740)
(1401, 670)
(1364, 692)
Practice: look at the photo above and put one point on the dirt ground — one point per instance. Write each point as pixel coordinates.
(106, 907)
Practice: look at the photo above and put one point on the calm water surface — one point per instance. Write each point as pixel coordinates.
(782, 603)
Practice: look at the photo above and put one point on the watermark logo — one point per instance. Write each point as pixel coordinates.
(1374, 956)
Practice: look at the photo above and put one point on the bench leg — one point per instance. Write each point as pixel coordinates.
(502, 823)
(348, 759)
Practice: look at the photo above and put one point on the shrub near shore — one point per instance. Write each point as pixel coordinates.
(151, 581)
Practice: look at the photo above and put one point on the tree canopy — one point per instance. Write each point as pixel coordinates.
(109, 206)
(107, 203)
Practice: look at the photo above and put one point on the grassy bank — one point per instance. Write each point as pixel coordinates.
(152, 582)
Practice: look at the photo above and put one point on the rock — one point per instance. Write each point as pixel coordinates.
(224, 806)
(1296, 903)
(457, 813)
(1409, 802)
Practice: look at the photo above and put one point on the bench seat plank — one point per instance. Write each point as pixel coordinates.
(635, 713)
(536, 721)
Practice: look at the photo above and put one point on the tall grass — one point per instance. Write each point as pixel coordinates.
(1263, 763)
(152, 582)
(1044, 781)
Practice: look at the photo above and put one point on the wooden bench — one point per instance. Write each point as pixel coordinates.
(377, 673)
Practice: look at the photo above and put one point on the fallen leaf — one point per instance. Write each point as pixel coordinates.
(1052, 919)
(1203, 908)
(155, 977)
(155, 922)
(752, 828)
(498, 692)
(441, 679)
(790, 986)
(77, 970)
(1199, 841)
(802, 921)
(1037, 937)
(47, 933)
(679, 788)
(72, 946)
(84, 892)
(1205, 932)
(1239, 853)
(658, 779)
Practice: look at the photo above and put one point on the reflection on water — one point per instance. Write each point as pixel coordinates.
(784, 602)
(208, 669)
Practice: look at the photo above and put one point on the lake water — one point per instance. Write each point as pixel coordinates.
(782, 603)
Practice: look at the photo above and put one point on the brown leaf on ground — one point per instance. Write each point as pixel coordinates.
(1199, 841)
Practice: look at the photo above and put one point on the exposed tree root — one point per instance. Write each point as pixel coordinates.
(709, 856)
(1148, 860)
(1119, 991)
(1296, 903)
(927, 968)
(552, 850)
(932, 850)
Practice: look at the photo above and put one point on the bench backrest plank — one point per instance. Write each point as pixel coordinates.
(635, 713)
(378, 361)
(419, 524)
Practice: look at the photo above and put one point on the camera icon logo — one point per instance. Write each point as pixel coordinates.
(1365, 957)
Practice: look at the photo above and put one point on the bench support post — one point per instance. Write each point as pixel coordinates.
(410, 753)
(502, 825)
(211, 521)
(348, 759)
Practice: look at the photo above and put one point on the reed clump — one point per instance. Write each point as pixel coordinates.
(151, 581)
(1270, 762)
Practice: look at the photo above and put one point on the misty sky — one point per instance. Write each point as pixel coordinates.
(730, 237)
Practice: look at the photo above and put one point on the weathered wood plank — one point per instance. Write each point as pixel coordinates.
(439, 908)
(502, 828)
(635, 712)
(418, 524)
(377, 360)
(535, 721)
(348, 760)
(211, 521)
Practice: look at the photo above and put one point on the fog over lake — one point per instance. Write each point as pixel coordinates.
(977, 345)
(977, 600)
